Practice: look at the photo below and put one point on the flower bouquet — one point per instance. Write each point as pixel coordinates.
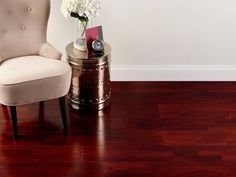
(82, 11)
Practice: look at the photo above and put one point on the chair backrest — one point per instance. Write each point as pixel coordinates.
(23, 27)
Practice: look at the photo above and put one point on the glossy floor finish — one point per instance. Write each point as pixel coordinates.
(160, 129)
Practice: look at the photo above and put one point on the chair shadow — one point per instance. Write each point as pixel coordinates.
(43, 149)
(33, 130)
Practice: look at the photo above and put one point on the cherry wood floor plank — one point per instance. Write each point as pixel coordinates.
(155, 129)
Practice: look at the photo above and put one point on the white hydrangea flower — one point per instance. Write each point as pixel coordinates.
(90, 8)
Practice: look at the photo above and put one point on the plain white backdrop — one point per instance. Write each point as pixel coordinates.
(162, 39)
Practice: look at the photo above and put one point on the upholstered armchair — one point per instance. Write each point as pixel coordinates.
(31, 69)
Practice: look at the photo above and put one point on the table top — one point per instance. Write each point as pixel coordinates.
(77, 54)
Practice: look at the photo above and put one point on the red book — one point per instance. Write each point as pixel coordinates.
(92, 34)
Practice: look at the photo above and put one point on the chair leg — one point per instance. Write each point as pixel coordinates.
(14, 121)
(62, 101)
(41, 112)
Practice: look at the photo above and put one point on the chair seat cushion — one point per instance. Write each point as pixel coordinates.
(31, 79)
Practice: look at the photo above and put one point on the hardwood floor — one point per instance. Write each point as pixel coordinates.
(160, 129)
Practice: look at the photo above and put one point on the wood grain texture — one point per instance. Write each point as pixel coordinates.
(155, 129)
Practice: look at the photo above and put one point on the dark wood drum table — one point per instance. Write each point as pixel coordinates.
(90, 87)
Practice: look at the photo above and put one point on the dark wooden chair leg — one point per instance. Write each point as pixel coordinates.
(14, 121)
(41, 112)
(62, 101)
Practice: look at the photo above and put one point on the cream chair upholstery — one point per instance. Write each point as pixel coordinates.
(30, 68)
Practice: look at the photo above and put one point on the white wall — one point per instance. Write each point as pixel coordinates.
(163, 39)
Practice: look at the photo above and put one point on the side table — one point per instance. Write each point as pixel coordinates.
(90, 87)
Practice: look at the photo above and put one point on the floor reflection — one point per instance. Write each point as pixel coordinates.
(42, 147)
(101, 134)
